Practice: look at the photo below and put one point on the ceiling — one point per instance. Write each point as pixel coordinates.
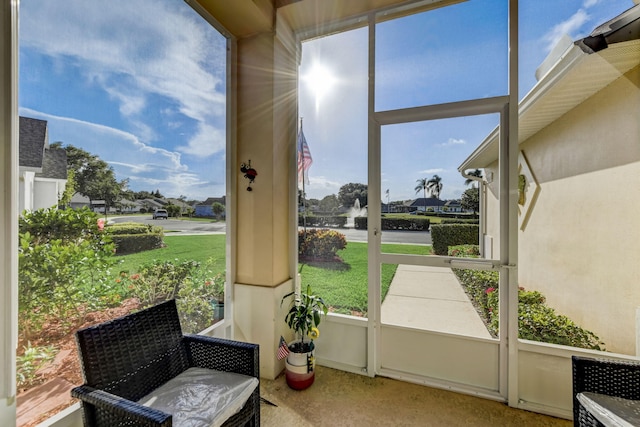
(244, 18)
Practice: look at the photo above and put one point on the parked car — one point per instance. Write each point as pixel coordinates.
(160, 214)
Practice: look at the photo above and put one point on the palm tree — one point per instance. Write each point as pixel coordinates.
(477, 173)
(435, 186)
(422, 186)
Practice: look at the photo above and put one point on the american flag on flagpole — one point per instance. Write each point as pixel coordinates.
(283, 349)
(304, 158)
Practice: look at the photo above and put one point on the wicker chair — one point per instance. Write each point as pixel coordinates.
(125, 359)
(615, 381)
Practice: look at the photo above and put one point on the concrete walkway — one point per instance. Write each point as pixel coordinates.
(431, 298)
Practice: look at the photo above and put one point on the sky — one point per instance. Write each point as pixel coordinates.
(142, 85)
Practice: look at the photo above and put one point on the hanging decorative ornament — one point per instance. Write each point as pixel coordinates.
(249, 173)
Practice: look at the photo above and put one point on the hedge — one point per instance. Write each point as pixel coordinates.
(413, 224)
(445, 235)
(323, 221)
(132, 237)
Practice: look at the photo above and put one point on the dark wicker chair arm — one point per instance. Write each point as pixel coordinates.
(120, 409)
(615, 378)
(222, 354)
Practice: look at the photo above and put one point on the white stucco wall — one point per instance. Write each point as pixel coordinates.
(580, 244)
(47, 192)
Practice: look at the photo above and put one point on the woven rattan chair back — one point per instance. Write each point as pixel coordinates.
(133, 355)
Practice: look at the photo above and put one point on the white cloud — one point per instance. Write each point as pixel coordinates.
(431, 171)
(570, 27)
(590, 3)
(134, 51)
(453, 141)
(206, 142)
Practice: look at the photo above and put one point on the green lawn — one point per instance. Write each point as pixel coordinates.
(343, 285)
(181, 248)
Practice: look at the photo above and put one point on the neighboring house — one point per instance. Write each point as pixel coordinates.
(579, 163)
(429, 204)
(177, 202)
(79, 201)
(205, 208)
(43, 170)
(452, 206)
(151, 204)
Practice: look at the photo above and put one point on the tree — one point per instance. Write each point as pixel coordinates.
(470, 199)
(69, 189)
(350, 192)
(217, 208)
(329, 203)
(93, 177)
(434, 185)
(477, 173)
(422, 186)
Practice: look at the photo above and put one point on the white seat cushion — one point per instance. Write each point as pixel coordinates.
(201, 397)
(611, 411)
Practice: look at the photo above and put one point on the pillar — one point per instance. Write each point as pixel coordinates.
(8, 210)
(266, 216)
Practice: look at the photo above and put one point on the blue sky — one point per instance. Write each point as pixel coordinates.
(141, 84)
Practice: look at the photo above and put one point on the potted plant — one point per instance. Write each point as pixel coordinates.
(303, 317)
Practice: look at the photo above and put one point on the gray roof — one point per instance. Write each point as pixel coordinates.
(54, 164)
(33, 141)
(429, 201)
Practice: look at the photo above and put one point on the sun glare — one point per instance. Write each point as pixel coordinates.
(319, 81)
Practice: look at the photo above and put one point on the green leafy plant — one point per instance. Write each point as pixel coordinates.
(63, 257)
(195, 287)
(320, 244)
(304, 316)
(30, 361)
(536, 320)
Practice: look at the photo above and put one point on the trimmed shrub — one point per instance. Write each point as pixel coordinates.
(447, 235)
(411, 224)
(460, 221)
(323, 221)
(131, 237)
(133, 243)
(320, 244)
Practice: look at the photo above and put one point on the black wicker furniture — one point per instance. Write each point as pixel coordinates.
(128, 358)
(605, 392)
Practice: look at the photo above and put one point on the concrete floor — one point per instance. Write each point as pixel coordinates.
(339, 398)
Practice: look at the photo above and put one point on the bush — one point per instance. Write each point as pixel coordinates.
(64, 261)
(413, 224)
(464, 251)
(539, 322)
(131, 237)
(194, 286)
(447, 235)
(320, 244)
(459, 221)
(322, 221)
(536, 321)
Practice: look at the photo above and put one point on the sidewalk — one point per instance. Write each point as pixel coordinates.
(430, 298)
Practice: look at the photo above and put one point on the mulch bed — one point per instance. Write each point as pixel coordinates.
(67, 366)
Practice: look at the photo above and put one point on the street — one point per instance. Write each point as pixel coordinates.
(179, 227)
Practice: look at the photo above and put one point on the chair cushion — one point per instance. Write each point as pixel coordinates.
(201, 397)
(611, 411)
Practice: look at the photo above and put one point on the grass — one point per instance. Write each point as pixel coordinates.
(343, 285)
(181, 248)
